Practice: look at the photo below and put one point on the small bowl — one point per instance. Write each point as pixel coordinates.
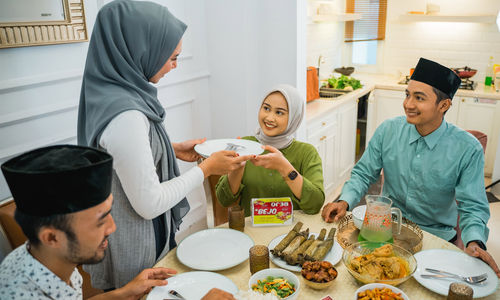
(358, 216)
(318, 285)
(275, 272)
(363, 248)
(372, 286)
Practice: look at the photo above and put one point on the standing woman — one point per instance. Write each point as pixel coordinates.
(133, 44)
(288, 168)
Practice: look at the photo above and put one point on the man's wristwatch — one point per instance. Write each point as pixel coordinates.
(292, 175)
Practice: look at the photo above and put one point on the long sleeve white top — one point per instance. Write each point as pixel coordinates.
(126, 138)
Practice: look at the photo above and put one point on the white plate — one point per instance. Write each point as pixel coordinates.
(456, 262)
(372, 286)
(247, 147)
(193, 285)
(333, 256)
(214, 249)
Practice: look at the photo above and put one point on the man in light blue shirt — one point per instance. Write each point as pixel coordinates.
(427, 164)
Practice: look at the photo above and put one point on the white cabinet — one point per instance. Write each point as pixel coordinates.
(334, 136)
(479, 114)
(348, 114)
(322, 134)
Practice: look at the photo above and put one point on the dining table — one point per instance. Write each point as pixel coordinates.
(344, 286)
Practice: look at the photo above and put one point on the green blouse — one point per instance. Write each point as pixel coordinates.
(259, 182)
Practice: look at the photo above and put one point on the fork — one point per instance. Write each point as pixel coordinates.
(444, 274)
(176, 294)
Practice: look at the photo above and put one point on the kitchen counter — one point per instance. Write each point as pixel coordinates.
(317, 108)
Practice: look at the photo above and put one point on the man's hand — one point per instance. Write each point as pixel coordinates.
(334, 211)
(185, 150)
(216, 294)
(274, 160)
(142, 284)
(474, 250)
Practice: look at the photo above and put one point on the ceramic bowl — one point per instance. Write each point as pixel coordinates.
(275, 272)
(358, 215)
(372, 286)
(318, 285)
(363, 248)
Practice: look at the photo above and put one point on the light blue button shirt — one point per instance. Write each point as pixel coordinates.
(424, 175)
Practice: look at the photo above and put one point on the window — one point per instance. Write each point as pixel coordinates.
(364, 33)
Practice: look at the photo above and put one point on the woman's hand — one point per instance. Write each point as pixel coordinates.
(274, 160)
(223, 162)
(185, 150)
(474, 250)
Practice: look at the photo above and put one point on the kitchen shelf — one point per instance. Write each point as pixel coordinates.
(448, 18)
(335, 18)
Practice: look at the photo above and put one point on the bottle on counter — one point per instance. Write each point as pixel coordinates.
(489, 73)
(497, 79)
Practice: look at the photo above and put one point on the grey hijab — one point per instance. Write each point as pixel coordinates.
(295, 116)
(130, 43)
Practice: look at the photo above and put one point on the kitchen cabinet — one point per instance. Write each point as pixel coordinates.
(334, 136)
(468, 113)
(322, 134)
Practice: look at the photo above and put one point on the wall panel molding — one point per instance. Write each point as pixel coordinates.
(62, 137)
(184, 78)
(35, 113)
(20, 82)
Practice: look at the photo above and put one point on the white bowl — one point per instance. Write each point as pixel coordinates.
(371, 286)
(358, 215)
(263, 274)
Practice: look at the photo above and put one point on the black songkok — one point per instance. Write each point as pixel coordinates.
(59, 179)
(436, 75)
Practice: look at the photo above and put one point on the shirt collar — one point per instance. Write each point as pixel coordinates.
(431, 139)
(46, 280)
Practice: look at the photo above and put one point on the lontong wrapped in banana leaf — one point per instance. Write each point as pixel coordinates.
(295, 243)
(293, 258)
(325, 246)
(287, 239)
(310, 250)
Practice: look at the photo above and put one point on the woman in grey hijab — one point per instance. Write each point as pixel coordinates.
(133, 44)
(288, 168)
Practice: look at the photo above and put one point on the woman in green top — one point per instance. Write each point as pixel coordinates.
(287, 168)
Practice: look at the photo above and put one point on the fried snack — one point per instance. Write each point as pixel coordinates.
(295, 243)
(287, 239)
(324, 247)
(377, 294)
(310, 250)
(318, 271)
(381, 264)
(293, 258)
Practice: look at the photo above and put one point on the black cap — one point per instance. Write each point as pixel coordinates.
(436, 75)
(59, 179)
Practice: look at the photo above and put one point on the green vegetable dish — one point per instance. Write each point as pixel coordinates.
(344, 81)
(275, 285)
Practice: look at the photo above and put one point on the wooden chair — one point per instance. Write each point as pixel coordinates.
(16, 238)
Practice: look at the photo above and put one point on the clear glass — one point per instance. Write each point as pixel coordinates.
(377, 225)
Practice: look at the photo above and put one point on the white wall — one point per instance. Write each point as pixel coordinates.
(452, 44)
(40, 88)
(252, 45)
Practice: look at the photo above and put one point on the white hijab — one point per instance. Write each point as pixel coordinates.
(295, 116)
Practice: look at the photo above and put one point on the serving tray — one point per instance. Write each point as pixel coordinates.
(410, 238)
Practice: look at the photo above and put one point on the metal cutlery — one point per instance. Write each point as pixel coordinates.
(233, 147)
(444, 274)
(176, 294)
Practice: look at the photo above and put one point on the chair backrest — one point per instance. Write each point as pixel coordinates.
(483, 138)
